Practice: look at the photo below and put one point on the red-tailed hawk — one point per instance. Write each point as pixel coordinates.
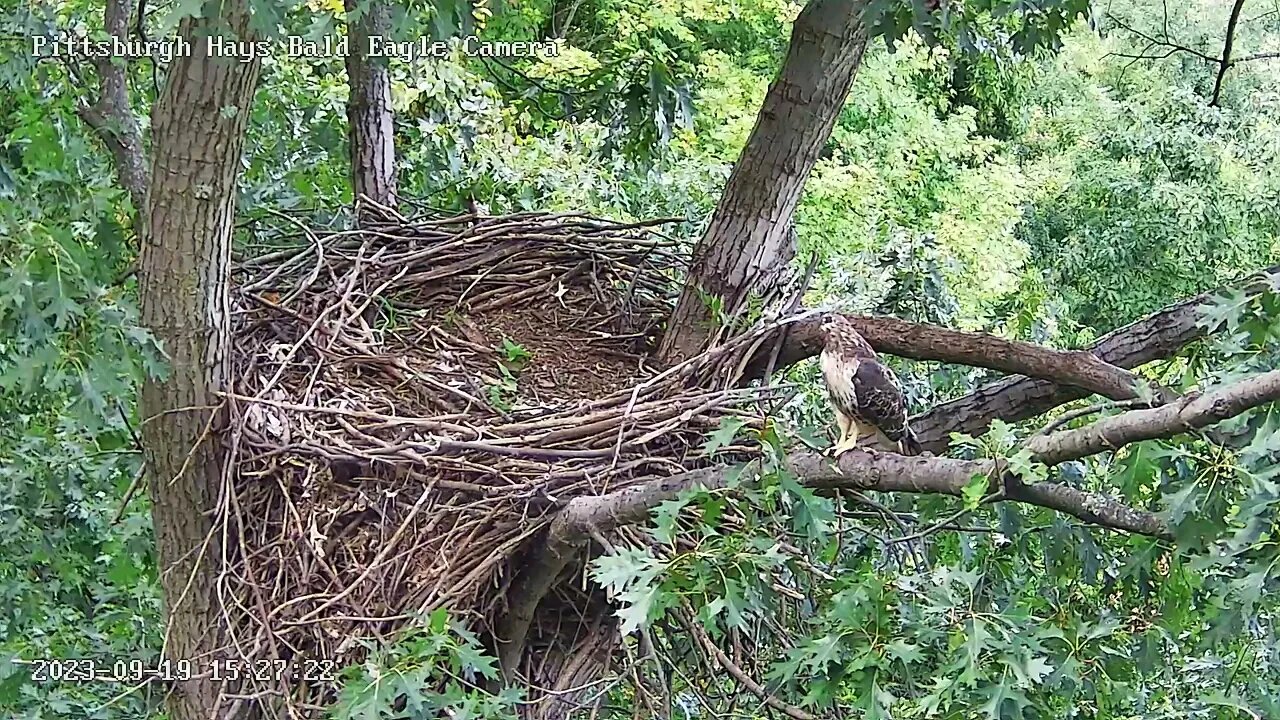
(864, 392)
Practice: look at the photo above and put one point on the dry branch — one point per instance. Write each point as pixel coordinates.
(391, 456)
(1225, 61)
(890, 472)
(1158, 336)
(1187, 414)
(1228, 43)
(860, 470)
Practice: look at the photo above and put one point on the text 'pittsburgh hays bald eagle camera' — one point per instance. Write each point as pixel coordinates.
(864, 392)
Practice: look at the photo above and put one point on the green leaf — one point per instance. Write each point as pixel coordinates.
(636, 606)
(123, 572)
(439, 620)
(473, 660)
(1182, 503)
(1029, 471)
(1035, 670)
(975, 642)
(1223, 309)
(999, 696)
(666, 519)
(181, 10)
(735, 605)
(821, 653)
(905, 651)
(975, 490)
(628, 566)
(1001, 435)
(723, 435)
(708, 612)
(515, 353)
(1249, 588)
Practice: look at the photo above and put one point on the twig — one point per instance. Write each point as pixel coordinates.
(741, 676)
(1078, 413)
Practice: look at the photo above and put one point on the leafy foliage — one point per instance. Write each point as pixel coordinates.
(401, 680)
(77, 571)
(1152, 196)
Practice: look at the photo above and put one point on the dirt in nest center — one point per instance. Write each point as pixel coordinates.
(569, 357)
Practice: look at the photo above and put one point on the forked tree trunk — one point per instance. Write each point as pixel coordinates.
(198, 129)
(371, 137)
(748, 243)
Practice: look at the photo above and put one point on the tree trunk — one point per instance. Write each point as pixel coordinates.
(371, 133)
(748, 243)
(198, 129)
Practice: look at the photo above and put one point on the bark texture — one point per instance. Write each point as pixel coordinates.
(111, 115)
(371, 131)
(1224, 63)
(198, 129)
(922, 341)
(748, 243)
(1158, 336)
(1192, 412)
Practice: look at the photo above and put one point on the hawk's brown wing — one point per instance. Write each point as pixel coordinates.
(879, 399)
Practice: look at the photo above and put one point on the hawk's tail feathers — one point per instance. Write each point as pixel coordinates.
(910, 444)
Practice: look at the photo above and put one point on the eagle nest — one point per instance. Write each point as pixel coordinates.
(414, 400)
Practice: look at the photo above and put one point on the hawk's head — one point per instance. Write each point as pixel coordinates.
(839, 334)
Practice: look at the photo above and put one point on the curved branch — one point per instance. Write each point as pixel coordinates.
(922, 341)
(1189, 413)
(1157, 336)
(890, 472)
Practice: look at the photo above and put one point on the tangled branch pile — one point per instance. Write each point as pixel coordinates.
(413, 400)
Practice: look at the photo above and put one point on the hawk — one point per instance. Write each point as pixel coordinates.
(864, 392)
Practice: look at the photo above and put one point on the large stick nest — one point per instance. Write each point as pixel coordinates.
(393, 450)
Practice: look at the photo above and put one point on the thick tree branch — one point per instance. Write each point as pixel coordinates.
(370, 121)
(1156, 337)
(111, 116)
(890, 472)
(1189, 413)
(749, 239)
(1256, 56)
(931, 342)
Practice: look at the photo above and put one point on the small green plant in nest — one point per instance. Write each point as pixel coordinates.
(514, 358)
